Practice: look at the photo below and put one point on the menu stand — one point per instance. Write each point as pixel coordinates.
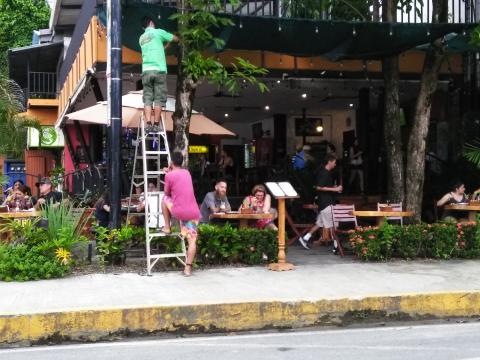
(281, 191)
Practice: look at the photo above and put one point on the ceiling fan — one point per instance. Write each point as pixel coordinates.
(221, 94)
(239, 107)
(332, 97)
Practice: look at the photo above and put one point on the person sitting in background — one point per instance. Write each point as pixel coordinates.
(17, 199)
(226, 164)
(456, 196)
(102, 209)
(151, 188)
(47, 194)
(260, 202)
(215, 201)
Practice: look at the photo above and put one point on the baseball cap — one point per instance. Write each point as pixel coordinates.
(44, 180)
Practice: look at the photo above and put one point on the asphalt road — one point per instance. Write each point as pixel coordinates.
(451, 341)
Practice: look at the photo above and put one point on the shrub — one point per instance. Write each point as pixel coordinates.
(440, 241)
(112, 243)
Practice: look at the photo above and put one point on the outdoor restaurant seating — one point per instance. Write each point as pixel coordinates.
(342, 214)
(393, 207)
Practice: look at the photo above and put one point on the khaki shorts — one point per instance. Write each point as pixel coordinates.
(325, 218)
(154, 88)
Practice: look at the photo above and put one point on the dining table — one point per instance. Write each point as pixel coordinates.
(380, 216)
(20, 214)
(242, 218)
(471, 209)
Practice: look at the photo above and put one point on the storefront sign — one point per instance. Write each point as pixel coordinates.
(198, 149)
(51, 138)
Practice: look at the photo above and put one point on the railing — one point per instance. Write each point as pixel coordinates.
(42, 85)
(418, 11)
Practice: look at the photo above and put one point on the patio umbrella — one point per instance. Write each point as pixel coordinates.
(132, 107)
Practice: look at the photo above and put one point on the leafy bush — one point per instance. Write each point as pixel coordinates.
(36, 252)
(440, 241)
(112, 243)
(22, 263)
(226, 244)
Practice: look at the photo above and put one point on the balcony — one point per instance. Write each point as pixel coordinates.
(41, 85)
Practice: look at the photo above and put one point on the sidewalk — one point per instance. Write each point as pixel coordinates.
(323, 289)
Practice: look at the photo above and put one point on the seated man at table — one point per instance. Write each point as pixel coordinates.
(215, 201)
(47, 194)
(326, 199)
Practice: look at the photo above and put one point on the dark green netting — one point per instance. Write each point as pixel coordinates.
(334, 40)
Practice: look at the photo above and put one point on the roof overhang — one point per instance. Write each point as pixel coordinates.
(41, 58)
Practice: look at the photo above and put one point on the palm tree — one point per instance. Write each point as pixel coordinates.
(13, 128)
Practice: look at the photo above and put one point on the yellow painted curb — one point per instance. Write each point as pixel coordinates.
(102, 324)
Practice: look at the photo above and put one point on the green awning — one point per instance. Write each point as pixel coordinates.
(334, 40)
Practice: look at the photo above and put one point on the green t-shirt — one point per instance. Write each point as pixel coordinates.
(153, 54)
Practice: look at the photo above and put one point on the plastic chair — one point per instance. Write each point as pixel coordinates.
(395, 207)
(342, 214)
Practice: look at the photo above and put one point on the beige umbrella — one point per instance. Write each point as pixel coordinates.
(132, 107)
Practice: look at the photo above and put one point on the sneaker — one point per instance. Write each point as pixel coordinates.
(148, 127)
(156, 127)
(304, 242)
(335, 251)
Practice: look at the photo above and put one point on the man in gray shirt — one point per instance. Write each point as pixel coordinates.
(215, 201)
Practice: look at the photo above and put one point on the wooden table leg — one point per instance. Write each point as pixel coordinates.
(282, 264)
(243, 223)
(472, 216)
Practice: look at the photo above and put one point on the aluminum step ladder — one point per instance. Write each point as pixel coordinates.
(153, 150)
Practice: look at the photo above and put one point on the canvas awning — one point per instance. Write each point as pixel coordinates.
(132, 107)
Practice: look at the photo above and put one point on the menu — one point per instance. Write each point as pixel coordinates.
(281, 189)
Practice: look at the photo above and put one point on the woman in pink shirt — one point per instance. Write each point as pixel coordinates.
(179, 201)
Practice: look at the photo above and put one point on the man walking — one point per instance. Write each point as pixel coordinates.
(154, 70)
(326, 198)
(215, 201)
(179, 201)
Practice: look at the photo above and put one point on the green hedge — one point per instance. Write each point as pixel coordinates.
(440, 241)
(226, 244)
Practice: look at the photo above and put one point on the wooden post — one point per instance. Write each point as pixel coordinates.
(282, 264)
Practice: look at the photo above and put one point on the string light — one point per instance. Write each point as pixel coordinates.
(316, 29)
(240, 25)
(354, 31)
(279, 27)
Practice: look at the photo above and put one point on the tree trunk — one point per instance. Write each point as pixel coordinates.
(391, 116)
(184, 97)
(415, 174)
(392, 130)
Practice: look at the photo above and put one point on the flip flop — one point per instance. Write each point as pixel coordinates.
(162, 229)
(187, 273)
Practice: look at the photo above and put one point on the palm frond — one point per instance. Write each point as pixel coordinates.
(472, 152)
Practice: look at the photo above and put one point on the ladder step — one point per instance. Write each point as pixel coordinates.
(148, 176)
(162, 256)
(155, 172)
(162, 234)
(156, 152)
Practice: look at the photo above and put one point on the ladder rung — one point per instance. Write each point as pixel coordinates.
(156, 152)
(148, 176)
(162, 234)
(162, 256)
(154, 193)
(155, 172)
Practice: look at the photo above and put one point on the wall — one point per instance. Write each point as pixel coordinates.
(332, 129)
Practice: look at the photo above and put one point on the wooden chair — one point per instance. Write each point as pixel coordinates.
(300, 229)
(342, 214)
(395, 207)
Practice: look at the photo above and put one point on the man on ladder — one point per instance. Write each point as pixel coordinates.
(154, 71)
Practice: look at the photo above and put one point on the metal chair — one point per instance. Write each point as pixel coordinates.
(342, 214)
(395, 207)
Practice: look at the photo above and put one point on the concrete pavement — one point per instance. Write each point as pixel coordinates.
(324, 289)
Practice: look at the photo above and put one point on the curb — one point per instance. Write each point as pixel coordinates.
(104, 324)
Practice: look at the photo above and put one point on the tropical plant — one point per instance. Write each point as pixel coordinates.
(13, 128)
(198, 22)
(112, 243)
